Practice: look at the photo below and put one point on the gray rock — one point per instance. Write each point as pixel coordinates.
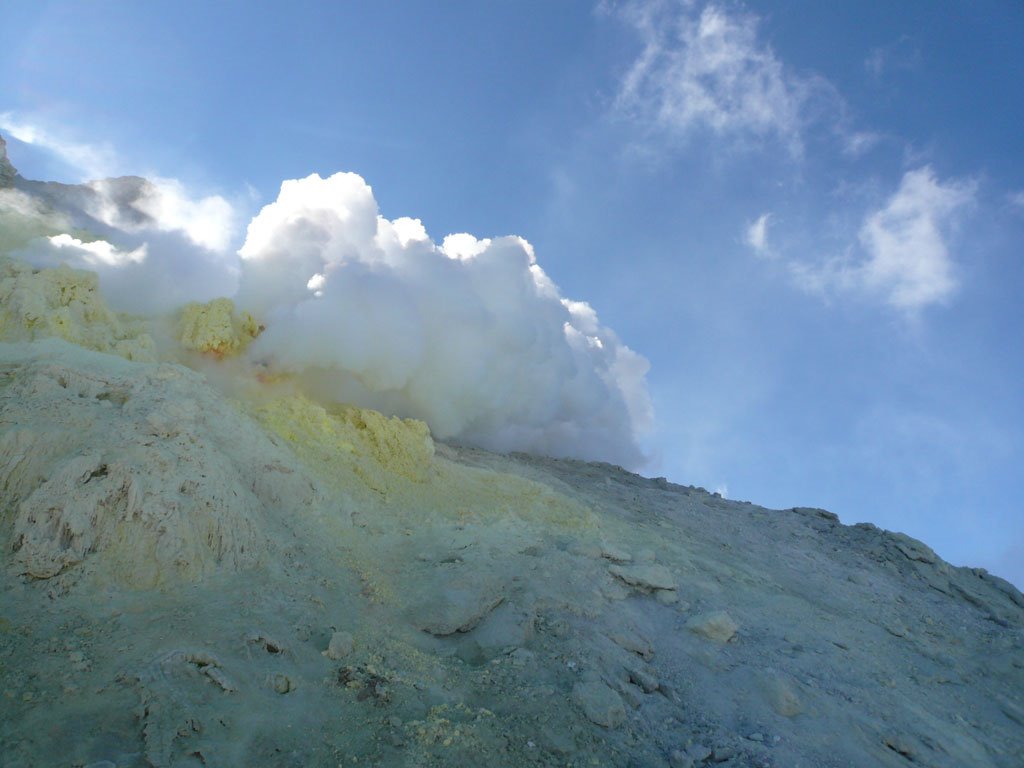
(7, 171)
(698, 753)
(666, 596)
(600, 704)
(507, 626)
(457, 607)
(781, 695)
(647, 576)
(631, 640)
(644, 678)
(615, 554)
(913, 549)
(717, 626)
(721, 754)
(281, 683)
(341, 645)
(631, 694)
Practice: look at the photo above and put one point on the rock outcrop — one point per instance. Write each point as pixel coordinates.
(7, 171)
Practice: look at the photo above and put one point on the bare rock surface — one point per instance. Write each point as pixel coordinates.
(189, 578)
(7, 171)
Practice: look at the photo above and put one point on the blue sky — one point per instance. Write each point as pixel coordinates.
(809, 217)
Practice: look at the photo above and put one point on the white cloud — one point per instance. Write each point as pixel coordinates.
(902, 253)
(709, 70)
(858, 142)
(471, 336)
(96, 253)
(902, 54)
(874, 63)
(463, 245)
(757, 235)
(908, 260)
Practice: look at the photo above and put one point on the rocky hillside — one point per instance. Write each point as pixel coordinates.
(202, 566)
(193, 579)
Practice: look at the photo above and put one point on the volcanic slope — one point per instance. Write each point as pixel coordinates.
(194, 575)
(203, 566)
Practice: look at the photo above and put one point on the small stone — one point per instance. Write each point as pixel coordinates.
(281, 683)
(717, 626)
(680, 760)
(756, 737)
(616, 555)
(698, 753)
(600, 704)
(721, 754)
(666, 596)
(782, 697)
(896, 630)
(631, 640)
(902, 744)
(556, 740)
(648, 576)
(341, 645)
(645, 679)
(615, 591)
(521, 657)
(631, 694)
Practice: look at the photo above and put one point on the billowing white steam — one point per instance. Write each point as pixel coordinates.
(153, 246)
(471, 336)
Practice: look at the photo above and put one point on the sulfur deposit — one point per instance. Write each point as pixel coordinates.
(65, 303)
(208, 566)
(215, 328)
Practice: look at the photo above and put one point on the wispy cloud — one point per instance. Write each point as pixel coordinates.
(710, 70)
(90, 160)
(902, 253)
(161, 203)
(908, 260)
(903, 54)
(757, 235)
(856, 143)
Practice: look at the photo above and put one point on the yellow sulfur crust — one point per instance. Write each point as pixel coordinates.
(215, 328)
(66, 303)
